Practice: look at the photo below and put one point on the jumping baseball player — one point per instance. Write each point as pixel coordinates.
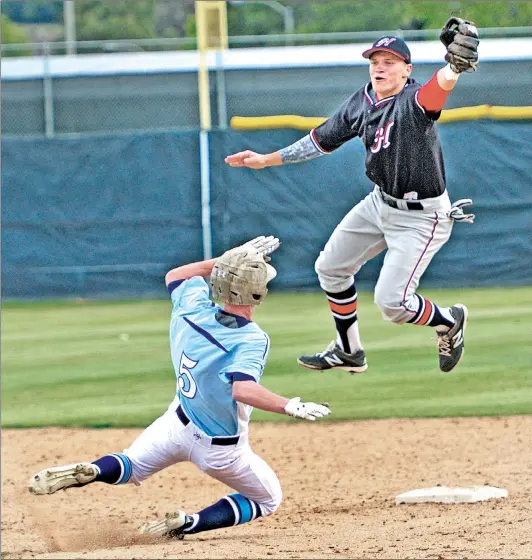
(219, 356)
(408, 212)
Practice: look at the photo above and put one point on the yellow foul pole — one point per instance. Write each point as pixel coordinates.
(211, 32)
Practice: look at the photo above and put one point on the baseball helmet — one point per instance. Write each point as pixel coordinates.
(240, 277)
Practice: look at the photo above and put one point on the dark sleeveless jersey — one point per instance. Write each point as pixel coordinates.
(403, 150)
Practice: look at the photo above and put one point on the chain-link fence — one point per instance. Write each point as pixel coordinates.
(238, 41)
(53, 95)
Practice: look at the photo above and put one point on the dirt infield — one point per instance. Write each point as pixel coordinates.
(339, 482)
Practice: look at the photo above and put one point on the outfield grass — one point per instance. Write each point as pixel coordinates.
(108, 364)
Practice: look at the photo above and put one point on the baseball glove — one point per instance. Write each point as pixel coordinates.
(460, 38)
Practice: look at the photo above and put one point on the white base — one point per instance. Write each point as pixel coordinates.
(447, 495)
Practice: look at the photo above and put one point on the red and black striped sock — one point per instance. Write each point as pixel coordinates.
(431, 315)
(344, 310)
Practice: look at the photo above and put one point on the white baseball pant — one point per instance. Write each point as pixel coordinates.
(167, 442)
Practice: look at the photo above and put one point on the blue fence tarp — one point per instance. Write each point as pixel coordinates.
(107, 216)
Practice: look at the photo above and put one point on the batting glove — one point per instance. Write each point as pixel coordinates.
(305, 410)
(457, 214)
(263, 245)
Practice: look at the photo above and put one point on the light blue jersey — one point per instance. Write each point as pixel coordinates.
(210, 349)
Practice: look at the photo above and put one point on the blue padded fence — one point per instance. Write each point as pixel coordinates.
(107, 216)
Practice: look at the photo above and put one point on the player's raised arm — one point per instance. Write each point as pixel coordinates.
(201, 268)
(461, 41)
(265, 245)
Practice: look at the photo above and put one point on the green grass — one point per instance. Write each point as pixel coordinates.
(67, 363)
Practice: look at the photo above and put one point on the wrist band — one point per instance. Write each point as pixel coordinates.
(449, 73)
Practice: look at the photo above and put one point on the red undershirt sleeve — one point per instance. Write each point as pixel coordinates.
(431, 96)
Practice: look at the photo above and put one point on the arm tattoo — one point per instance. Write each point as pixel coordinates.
(302, 150)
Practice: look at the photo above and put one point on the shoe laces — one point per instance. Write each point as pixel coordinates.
(327, 350)
(444, 345)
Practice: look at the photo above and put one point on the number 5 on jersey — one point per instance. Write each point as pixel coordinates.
(186, 382)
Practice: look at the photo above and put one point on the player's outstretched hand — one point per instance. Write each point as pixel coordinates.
(306, 410)
(247, 158)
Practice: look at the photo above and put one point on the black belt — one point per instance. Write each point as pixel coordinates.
(394, 203)
(219, 440)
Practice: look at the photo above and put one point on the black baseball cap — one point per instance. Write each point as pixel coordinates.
(390, 44)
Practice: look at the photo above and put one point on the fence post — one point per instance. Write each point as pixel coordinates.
(48, 92)
(221, 95)
(205, 168)
(69, 18)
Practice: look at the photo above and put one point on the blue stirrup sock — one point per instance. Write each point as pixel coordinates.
(234, 509)
(113, 469)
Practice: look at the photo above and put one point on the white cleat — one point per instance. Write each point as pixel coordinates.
(168, 527)
(53, 479)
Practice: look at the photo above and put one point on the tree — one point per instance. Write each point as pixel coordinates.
(115, 20)
(374, 15)
(171, 17)
(33, 12)
(146, 19)
(128, 19)
(253, 19)
(496, 14)
(367, 15)
(12, 34)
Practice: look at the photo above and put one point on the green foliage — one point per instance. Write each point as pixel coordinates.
(128, 19)
(367, 15)
(329, 17)
(96, 363)
(254, 19)
(122, 19)
(190, 26)
(496, 14)
(11, 32)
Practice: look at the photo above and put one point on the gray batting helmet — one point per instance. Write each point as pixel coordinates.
(240, 277)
